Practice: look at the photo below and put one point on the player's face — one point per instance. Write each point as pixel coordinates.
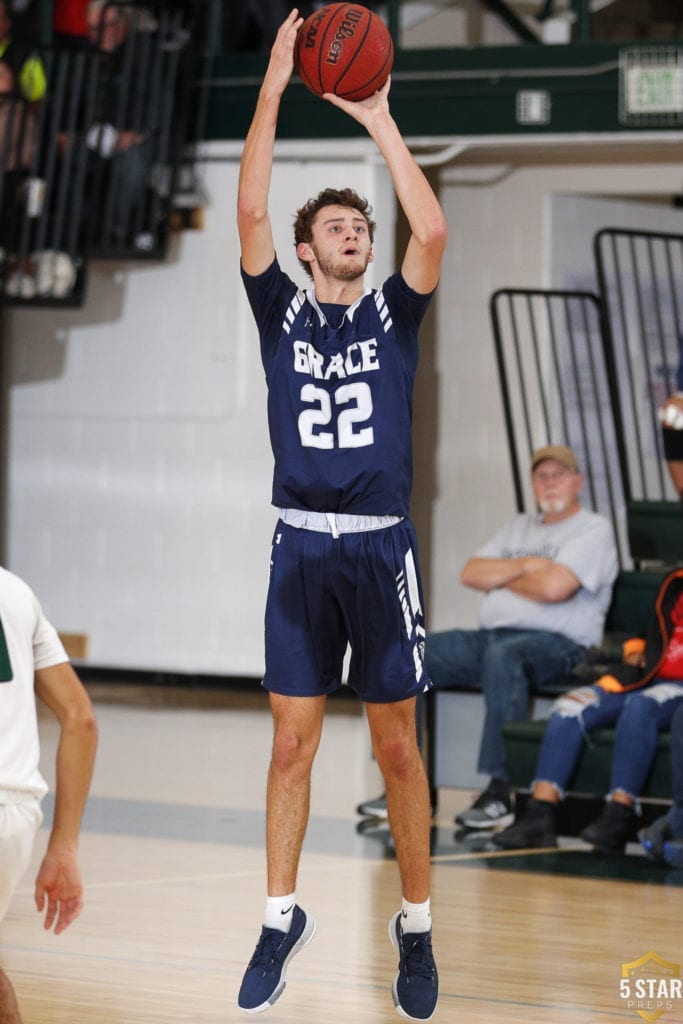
(341, 243)
(556, 488)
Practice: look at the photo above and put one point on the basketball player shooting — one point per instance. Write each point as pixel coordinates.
(339, 362)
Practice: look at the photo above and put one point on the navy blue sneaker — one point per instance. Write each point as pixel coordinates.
(416, 986)
(661, 845)
(672, 851)
(264, 978)
(652, 838)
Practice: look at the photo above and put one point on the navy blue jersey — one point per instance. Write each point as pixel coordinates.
(340, 387)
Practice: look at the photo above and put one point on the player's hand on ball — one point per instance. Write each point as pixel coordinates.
(361, 110)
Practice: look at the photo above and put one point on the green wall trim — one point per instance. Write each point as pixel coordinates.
(467, 91)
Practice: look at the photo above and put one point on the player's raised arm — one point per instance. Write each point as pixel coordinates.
(253, 221)
(429, 231)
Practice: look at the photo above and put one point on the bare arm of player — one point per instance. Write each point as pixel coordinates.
(490, 573)
(253, 220)
(59, 889)
(429, 231)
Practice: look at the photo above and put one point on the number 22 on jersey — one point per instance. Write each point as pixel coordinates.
(354, 402)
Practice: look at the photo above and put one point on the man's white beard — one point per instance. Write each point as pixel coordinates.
(553, 506)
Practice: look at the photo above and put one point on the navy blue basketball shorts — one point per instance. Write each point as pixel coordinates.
(673, 444)
(362, 589)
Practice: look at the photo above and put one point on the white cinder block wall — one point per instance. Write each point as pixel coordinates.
(139, 462)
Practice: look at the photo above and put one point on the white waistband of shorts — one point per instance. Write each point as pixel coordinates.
(19, 796)
(335, 523)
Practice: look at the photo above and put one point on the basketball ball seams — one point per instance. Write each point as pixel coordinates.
(330, 28)
(380, 76)
(356, 53)
(306, 78)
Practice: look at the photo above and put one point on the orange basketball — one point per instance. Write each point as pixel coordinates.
(345, 49)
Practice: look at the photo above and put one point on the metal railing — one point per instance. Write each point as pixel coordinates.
(90, 168)
(640, 276)
(42, 160)
(555, 390)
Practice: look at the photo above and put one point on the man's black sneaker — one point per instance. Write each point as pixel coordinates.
(672, 851)
(652, 838)
(376, 808)
(535, 828)
(492, 807)
(612, 830)
(660, 844)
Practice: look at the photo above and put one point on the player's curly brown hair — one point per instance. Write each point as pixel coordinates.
(303, 222)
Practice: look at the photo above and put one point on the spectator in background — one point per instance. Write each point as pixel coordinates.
(17, 147)
(17, 125)
(547, 579)
(26, 272)
(119, 140)
(671, 416)
(663, 840)
(654, 668)
(24, 61)
(107, 25)
(33, 663)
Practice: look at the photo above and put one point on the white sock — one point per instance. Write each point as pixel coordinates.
(415, 917)
(279, 911)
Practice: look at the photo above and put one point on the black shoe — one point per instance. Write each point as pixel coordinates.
(535, 828)
(376, 808)
(653, 837)
(492, 807)
(612, 830)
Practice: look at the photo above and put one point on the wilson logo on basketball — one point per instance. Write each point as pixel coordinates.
(346, 30)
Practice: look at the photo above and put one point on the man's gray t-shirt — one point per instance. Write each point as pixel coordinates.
(584, 543)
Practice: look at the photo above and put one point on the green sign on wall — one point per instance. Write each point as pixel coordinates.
(652, 86)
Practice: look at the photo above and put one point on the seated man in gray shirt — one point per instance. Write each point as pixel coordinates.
(547, 579)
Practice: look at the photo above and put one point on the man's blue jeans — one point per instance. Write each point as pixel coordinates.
(505, 664)
(639, 716)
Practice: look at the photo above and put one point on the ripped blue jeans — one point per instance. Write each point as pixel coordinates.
(639, 716)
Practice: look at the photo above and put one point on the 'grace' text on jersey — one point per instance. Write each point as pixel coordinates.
(358, 357)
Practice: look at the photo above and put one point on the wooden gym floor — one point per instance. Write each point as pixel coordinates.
(173, 859)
